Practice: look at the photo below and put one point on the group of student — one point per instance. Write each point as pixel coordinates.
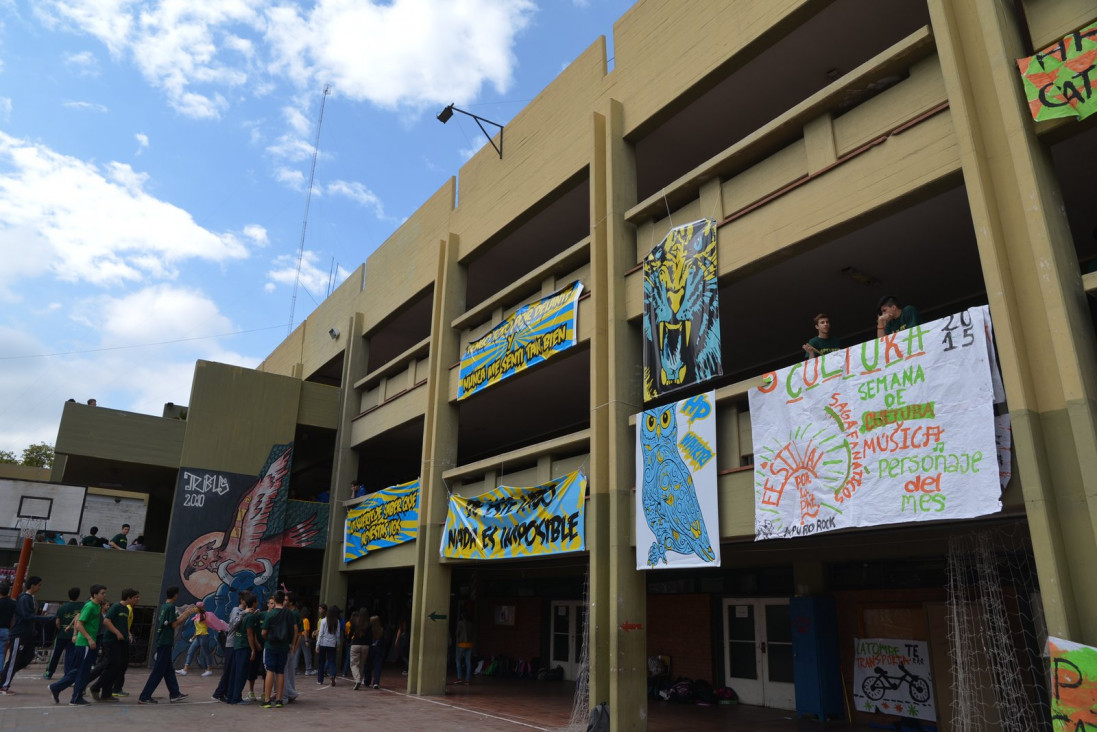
(891, 317)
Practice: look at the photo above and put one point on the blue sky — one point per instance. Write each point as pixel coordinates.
(154, 159)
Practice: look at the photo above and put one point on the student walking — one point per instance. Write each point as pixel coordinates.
(377, 650)
(21, 635)
(62, 642)
(200, 642)
(360, 637)
(167, 620)
(87, 630)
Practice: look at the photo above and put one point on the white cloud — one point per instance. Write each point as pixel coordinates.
(291, 148)
(155, 314)
(358, 193)
(411, 53)
(86, 106)
(5, 108)
(314, 278)
(83, 222)
(257, 234)
(85, 63)
(142, 142)
(293, 178)
(392, 53)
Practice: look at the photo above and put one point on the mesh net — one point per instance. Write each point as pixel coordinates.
(996, 633)
(29, 527)
(580, 704)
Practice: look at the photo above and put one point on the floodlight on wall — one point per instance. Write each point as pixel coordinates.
(334, 333)
(446, 113)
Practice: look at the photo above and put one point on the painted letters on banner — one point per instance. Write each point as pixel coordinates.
(534, 333)
(1061, 80)
(518, 522)
(677, 514)
(228, 531)
(385, 518)
(896, 429)
(681, 310)
(893, 677)
(1073, 685)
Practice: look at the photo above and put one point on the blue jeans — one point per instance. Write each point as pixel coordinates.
(325, 662)
(162, 670)
(199, 643)
(464, 657)
(241, 659)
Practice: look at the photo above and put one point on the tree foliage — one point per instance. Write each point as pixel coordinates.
(38, 455)
(7, 456)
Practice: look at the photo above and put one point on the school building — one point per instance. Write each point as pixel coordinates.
(846, 149)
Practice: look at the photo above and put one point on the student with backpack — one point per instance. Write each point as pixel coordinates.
(279, 634)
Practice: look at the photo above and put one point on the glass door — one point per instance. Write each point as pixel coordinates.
(758, 651)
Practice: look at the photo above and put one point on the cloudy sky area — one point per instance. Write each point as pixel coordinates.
(154, 158)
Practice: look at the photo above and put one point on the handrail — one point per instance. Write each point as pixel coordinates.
(528, 284)
(785, 128)
(557, 444)
(419, 349)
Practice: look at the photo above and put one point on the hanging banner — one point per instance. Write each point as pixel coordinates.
(677, 514)
(896, 429)
(385, 518)
(518, 522)
(1059, 80)
(1073, 685)
(534, 333)
(893, 677)
(681, 310)
(228, 531)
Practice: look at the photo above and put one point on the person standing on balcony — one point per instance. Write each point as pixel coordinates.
(119, 540)
(892, 318)
(93, 539)
(822, 343)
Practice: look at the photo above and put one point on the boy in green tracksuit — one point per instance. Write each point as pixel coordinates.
(167, 620)
(62, 643)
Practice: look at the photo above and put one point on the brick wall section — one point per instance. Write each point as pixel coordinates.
(680, 626)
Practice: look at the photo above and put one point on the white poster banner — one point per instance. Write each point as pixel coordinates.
(893, 676)
(892, 430)
(677, 516)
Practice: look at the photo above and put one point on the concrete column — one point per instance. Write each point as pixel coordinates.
(1041, 320)
(618, 593)
(427, 672)
(344, 469)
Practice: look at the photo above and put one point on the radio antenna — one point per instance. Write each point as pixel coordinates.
(308, 202)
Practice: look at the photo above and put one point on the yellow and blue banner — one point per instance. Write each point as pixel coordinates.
(386, 518)
(518, 522)
(534, 333)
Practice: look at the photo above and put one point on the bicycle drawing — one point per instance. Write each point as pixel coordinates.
(874, 687)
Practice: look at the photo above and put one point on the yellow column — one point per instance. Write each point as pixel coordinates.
(618, 593)
(427, 667)
(1041, 320)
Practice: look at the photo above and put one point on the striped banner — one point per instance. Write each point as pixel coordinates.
(385, 518)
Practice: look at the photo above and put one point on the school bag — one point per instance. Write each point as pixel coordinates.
(280, 627)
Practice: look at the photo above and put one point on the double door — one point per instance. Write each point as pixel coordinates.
(758, 661)
(569, 620)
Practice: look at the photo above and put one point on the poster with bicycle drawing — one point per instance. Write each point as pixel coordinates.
(893, 676)
(896, 429)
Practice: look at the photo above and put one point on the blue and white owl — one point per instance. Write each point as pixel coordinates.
(670, 500)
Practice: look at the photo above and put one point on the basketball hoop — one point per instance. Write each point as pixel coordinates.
(29, 527)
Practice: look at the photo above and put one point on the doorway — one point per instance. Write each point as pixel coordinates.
(569, 618)
(758, 651)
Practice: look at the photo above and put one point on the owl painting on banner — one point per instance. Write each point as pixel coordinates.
(677, 513)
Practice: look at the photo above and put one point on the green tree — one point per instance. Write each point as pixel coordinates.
(7, 456)
(39, 455)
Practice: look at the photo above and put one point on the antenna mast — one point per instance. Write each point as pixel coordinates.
(308, 203)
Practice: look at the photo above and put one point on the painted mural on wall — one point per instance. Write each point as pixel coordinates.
(312, 513)
(518, 522)
(1073, 685)
(534, 333)
(385, 518)
(228, 530)
(892, 676)
(681, 310)
(896, 429)
(1060, 80)
(677, 511)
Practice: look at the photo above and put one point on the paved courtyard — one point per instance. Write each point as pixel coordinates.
(487, 705)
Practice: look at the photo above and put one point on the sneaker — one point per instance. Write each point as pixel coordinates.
(7, 692)
(110, 699)
(319, 682)
(79, 702)
(181, 671)
(265, 704)
(277, 703)
(147, 701)
(56, 695)
(207, 672)
(291, 700)
(217, 698)
(178, 698)
(47, 675)
(357, 685)
(120, 693)
(376, 686)
(251, 696)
